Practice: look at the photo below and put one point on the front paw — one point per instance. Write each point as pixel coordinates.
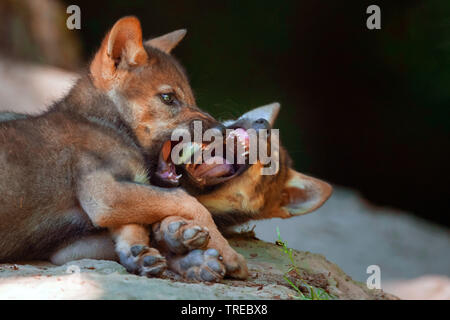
(143, 261)
(179, 235)
(200, 265)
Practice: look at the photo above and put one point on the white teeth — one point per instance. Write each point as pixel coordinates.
(179, 176)
(170, 175)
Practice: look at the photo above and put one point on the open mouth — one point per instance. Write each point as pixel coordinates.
(201, 164)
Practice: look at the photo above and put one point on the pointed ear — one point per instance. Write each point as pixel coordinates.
(303, 194)
(268, 112)
(168, 41)
(121, 46)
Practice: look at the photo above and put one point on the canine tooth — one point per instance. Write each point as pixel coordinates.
(179, 176)
(170, 174)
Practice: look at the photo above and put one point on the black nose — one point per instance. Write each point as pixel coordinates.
(261, 124)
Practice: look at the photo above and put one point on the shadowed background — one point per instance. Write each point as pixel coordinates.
(367, 109)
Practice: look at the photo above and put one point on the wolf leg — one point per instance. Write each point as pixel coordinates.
(110, 203)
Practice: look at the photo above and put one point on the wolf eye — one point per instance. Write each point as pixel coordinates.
(168, 98)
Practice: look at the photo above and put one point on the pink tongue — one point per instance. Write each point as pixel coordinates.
(214, 168)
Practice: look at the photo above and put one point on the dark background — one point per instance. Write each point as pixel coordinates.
(367, 109)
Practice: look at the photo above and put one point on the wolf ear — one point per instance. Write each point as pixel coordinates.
(125, 41)
(121, 46)
(303, 194)
(268, 112)
(168, 41)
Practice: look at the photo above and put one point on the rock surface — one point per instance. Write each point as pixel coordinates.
(100, 279)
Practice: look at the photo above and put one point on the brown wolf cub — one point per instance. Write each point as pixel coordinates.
(85, 164)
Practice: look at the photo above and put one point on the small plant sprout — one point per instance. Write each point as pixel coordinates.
(314, 293)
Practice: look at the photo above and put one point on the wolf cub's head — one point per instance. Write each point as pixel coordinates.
(148, 87)
(242, 193)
